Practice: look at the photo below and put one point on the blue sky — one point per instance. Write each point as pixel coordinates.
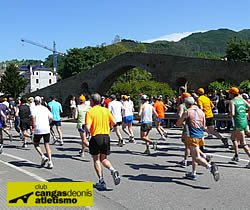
(81, 23)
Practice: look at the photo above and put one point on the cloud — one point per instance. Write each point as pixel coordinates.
(172, 37)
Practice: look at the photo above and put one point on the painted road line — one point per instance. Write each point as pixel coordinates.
(40, 179)
(223, 156)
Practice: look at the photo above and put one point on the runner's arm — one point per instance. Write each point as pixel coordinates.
(154, 111)
(231, 109)
(76, 113)
(4, 117)
(141, 110)
(182, 119)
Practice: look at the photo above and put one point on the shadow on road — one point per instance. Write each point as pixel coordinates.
(147, 178)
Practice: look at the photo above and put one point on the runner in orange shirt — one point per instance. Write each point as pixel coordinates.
(160, 108)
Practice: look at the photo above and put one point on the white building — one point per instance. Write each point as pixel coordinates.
(39, 77)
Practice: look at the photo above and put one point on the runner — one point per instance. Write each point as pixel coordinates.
(146, 112)
(41, 118)
(205, 104)
(80, 112)
(115, 108)
(5, 110)
(56, 109)
(24, 113)
(17, 118)
(238, 107)
(160, 108)
(127, 118)
(98, 120)
(195, 123)
(11, 112)
(3, 122)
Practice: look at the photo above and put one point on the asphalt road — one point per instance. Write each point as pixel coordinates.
(147, 181)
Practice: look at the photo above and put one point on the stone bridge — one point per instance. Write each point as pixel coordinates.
(174, 70)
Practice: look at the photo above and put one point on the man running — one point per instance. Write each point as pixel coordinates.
(5, 109)
(195, 123)
(41, 118)
(205, 104)
(98, 120)
(24, 113)
(115, 108)
(56, 110)
(80, 113)
(146, 112)
(127, 118)
(238, 107)
(160, 108)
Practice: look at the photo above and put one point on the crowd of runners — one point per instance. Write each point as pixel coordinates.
(96, 116)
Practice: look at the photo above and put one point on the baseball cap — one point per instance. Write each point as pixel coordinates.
(5, 99)
(201, 90)
(37, 99)
(185, 95)
(233, 90)
(140, 94)
(125, 97)
(144, 97)
(31, 98)
(82, 98)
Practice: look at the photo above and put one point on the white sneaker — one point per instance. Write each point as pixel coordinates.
(1, 148)
(44, 161)
(55, 139)
(116, 177)
(50, 165)
(163, 138)
(61, 142)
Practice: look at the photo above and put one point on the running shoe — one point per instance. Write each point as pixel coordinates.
(44, 161)
(101, 185)
(24, 145)
(50, 165)
(209, 136)
(55, 139)
(81, 153)
(235, 158)
(248, 165)
(10, 136)
(1, 148)
(163, 138)
(116, 177)
(119, 142)
(61, 142)
(155, 145)
(123, 142)
(225, 142)
(191, 176)
(182, 163)
(146, 152)
(21, 137)
(215, 172)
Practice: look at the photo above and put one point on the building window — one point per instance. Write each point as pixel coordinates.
(36, 73)
(50, 81)
(49, 74)
(37, 81)
(33, 73)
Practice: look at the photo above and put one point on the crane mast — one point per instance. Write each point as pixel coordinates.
(55, 53)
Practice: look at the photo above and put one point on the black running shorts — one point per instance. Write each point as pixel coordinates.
(25, 124)
(146, 127)
(210, 121)
(37, 138)
(99, 144)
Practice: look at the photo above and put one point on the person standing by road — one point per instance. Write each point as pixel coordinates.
(72, 104)
(80, 113)
(41, 118)
(56, 109)
(195, 124)
(146, 112)
(98, 120)
(238, 107)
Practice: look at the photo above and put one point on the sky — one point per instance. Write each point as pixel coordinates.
(81, 23)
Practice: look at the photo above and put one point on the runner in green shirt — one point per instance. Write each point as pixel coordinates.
(238, 108)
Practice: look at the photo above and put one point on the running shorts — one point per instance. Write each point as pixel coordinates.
(146, 127)
(24, 124)
(82, 129)
(159, 119)
(99, 144)
(128, 119)
(210, 121)
(37, 138)
(56, 123)
(195, 142)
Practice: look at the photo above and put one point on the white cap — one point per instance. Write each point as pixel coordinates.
(144, 97)
(38, 99)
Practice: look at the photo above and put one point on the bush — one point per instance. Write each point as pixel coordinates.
(246, 86)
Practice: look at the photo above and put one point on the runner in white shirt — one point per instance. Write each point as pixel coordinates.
(41, 118)
(115, 107)
(127, 118)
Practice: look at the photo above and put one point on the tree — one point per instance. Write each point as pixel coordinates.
(245, 85)
(117, 39)
(216, 85)
(12, 83)
(238, 51)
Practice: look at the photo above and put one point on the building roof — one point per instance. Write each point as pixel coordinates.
(34, 68)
